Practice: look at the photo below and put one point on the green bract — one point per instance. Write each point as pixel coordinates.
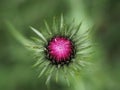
(83, 50)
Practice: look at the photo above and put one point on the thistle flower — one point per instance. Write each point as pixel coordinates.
(62, 51)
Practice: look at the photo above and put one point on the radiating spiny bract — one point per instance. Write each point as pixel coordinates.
(63, 51)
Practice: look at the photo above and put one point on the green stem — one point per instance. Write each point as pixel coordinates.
(16, 34)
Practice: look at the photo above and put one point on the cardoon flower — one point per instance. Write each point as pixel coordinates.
(62, 51)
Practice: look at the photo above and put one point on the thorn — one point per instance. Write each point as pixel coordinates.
(61, 22)
(47, 27)
(39, 34)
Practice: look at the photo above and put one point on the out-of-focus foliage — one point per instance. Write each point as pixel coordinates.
(16, 72)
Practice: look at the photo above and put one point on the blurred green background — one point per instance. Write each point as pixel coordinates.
(16, 72)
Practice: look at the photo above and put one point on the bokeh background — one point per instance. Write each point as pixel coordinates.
(16, 72)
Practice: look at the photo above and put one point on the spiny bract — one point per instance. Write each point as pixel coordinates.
(62, 51)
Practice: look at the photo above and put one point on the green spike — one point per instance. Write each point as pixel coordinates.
(71, 26)
(65, 75)
(39, 61)
(61, 23)
(37, 40)
(75, 31)
(71, 73)
(65, 32)
(57, 72)
(53, 67)
(56, 75)
(84, 48)
(54, 25)
(82, 40)
(39, 34)
(68, 82)
(44, 69)
(80, 37)
(50, 75)
(47, 28)
(37, 49)
(33, 46)
(48, 79)
(80, 53)
(75, 68)
(83, 36)
(78, 66)
(83, 63)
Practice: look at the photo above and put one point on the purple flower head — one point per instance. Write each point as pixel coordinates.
(60, 50)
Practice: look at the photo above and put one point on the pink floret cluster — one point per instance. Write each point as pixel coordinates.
(60, 49)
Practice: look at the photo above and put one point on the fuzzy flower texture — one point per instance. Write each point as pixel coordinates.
(61, 51)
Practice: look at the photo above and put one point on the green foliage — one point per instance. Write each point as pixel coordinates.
(16, 71)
